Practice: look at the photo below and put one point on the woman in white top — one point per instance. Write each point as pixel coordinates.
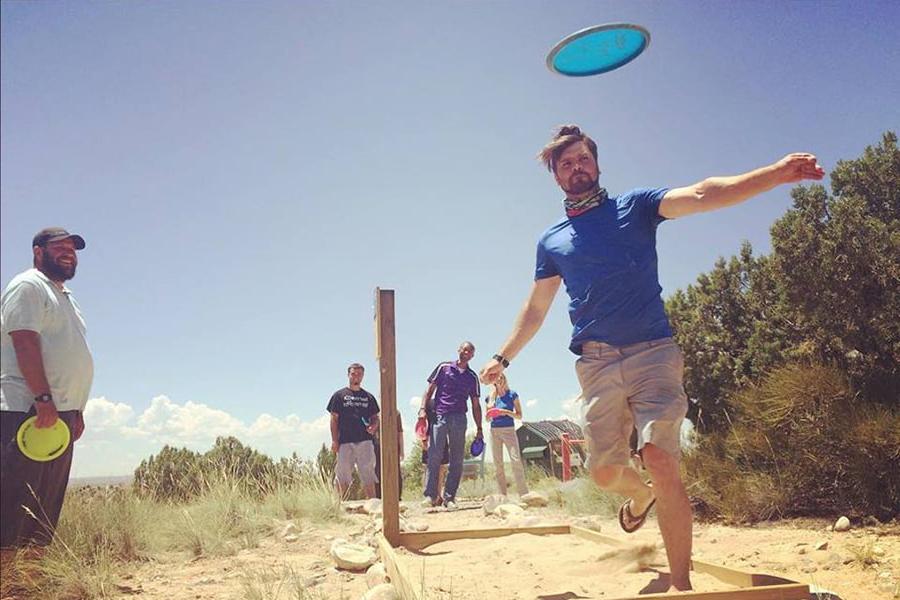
(507, 408)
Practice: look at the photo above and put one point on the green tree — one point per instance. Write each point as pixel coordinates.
(173, 474)
(325, 462)
(837, 262)
(731, 329)
(230, 460)
(829, 293)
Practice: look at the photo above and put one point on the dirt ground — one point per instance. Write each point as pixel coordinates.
(801, 551)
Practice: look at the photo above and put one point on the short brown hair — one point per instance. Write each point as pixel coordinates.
(563, 137)
(356, 366)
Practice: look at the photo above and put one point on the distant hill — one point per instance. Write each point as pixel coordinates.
(76, 482)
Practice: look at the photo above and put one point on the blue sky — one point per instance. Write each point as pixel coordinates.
(246, 174)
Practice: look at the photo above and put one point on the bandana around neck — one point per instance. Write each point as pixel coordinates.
(577, 207)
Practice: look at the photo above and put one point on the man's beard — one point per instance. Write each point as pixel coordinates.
(580, 183)
(58, 272)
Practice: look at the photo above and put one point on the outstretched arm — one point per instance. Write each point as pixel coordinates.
(530, 319)
(719, 192)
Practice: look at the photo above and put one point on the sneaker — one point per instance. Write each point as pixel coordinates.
(427, 502)
(450, 505)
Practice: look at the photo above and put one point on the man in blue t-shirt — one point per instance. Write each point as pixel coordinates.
(452, 384)
(629, 368)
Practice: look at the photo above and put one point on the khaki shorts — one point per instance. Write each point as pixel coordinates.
(635, 386)
(360, 454)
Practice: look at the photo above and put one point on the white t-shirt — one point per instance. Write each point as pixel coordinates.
(32, 302)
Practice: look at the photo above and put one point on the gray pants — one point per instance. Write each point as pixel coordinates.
(506, 436)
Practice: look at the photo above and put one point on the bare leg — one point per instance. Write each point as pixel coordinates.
(673, 510)
(625, 481)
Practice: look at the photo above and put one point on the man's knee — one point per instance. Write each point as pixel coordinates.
(659, 463)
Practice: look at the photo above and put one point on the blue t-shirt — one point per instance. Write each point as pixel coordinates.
(454, 387)
(507, 402)
(607, 259)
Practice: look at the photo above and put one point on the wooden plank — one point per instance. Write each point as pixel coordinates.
(726, 574)
(794, 591)
(390, 455)
(419, 540)
(399, 577)
(590, 534)
(759, 584)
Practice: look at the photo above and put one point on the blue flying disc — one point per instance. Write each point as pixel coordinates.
(598, 49)
(477, 447)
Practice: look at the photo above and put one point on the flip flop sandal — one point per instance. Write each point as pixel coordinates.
(629, 522)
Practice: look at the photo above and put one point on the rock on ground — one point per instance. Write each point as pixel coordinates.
(385, 591)
(508, 510)
(491, 503)
(406, 525)
(535, 499)
(289, 529)
(352, 557)
(376, 575)
(373, 506)
(842, 524)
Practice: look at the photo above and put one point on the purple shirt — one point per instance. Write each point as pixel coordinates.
(454, 387)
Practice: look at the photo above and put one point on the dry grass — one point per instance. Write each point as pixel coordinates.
(799, 443)
(102, 530)
(279, 584)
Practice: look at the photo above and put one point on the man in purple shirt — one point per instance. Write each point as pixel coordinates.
(452, 384)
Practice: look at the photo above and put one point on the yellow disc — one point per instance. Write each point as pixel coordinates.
(44, 444)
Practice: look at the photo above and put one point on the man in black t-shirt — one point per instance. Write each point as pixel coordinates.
(354, 418)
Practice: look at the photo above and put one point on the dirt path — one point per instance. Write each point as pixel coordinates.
(281, 569)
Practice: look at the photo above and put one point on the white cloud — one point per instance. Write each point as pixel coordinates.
(104, 415)
(572, 409)
(531, 403)
(174, 424)
(415, 401)
(116, 440)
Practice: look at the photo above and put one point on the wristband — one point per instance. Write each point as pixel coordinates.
(499, 358)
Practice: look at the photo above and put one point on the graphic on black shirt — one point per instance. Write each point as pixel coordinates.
(354, 410)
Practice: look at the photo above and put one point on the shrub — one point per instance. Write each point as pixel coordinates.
(172, 475)
(799, 443)
(177, 475)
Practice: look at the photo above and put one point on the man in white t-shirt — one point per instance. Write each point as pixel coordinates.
(46, 370)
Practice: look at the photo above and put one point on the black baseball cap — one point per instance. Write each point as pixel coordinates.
(54, 234)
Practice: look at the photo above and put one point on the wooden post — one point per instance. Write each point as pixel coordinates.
(390, 448)
(566, 462)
